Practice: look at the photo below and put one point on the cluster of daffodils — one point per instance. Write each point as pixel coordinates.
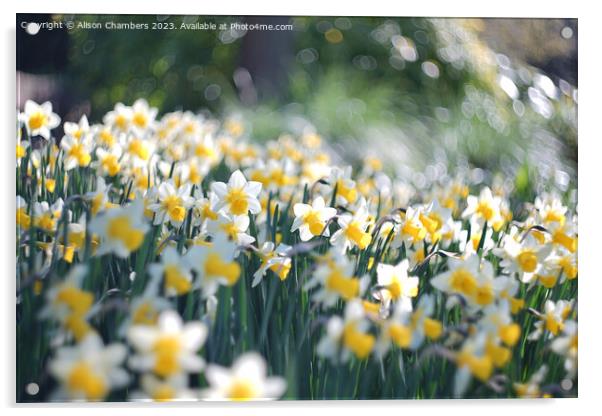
(145, 235)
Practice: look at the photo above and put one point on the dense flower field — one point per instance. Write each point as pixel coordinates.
(173, 258)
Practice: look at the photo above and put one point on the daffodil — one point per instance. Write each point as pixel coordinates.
(23, 218)
(169, 389)
(169, 348)
(396, 284)
(68, 304)
(247, 379)
(353, 231)
(108, 160)
(237, 197)
(119, 118)
(88, 371)
(484, 208)
(175, 270)
(38, 119)
(525, 258)
(274, 259)
(531, 389)
(78, 130)
(172, 203)
(214, 264)
(470, 278)
(335, 280)
(143, 117)
(566, 345)
(77, 151)
(234, 227)
(311, 220)
(347, 337)
(552, 320)
(121, 230)
(45, 216)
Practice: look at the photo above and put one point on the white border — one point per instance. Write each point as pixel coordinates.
(590, 191)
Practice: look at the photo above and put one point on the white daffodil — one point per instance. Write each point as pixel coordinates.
(484, 208)
(108, 160)
(23, 218)
(470, 279)
(531, 389)
(311, 220)
(566, 345)
(246, 380)
(177, 278)
(170, 389)
(471, 245)
(146, 308)
(411, 230)
(408, 328)
(472, 360)
(169, 348)
(353, 229)
(143, 117)
(39, 119)
(172, 204)
(348, 336)
(77, 151)
(119, 118)
(238, 197)
(78, 130)
(214, 264)
(234, 227)
(121, 230)
(335, 280)
(138, 152)
(45, 216)
(203, 209)
(88, 371)
(68, 304)
(274, 259)
(553, 318)
(396, 284)
(523, 258)
(345, 187)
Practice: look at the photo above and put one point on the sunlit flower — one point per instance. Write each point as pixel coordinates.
(353, 231)
(77, 151)
(524, 258)
(78, 130)
(23, 218)
(469, 278)
(39, 119)
(274, 259)
(311, 220)
(173, 203)
(566, 345)
(484, 208)
(214, 264)
(238, 197)
(108, 160)
(177, 278)
(234, 227)
(88, 371)
(46, 216)
(173, 388)
(531, 389)
(348, 336)
(551, 322)
(121, 230)
(246, 380)
(143, 116)
(169, 348)
(396, 284)
(335, 280)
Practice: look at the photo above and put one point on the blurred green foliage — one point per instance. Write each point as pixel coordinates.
(430, 84)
